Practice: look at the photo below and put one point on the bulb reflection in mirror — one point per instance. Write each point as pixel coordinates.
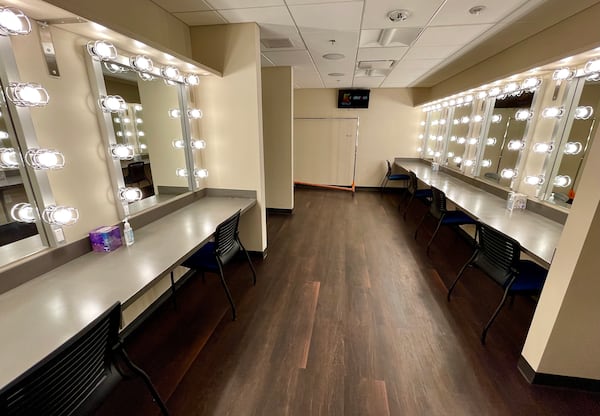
(141, 133)
(174, 113)
(13, 22)
(573, 148)
(523, 114)
(141, 63)
(23, 212)
(437, 154)
(422, 123)
(473, 140)
(534, 180)
(530, 83)
(496, 118)
(178, 144)
(8, 158)
(461, 140)
(490, 141)
(139, 121)
(563, 74)
(460, 100)
(562, 181)
(486, 163)
(543, 147)
(112, 104)
(143, 146)
(198, 144)
(494, 91)
(457, 159)
(419, 149)
(60, 215)
(583, 112)
(420, 137)
(440, 138)
(468, 98)
(456, 121)
(553, 112)
(115, 68)
(468, 162)
(145, 76)
(450, 155)
(181, 172)
(201, 173)
(138, 107)
(442, 122)
(194, 113)
(191, 79)
(592, 66)
(481, 95)
(516, 145)
(508, 173)
(452, 138)
(121, 151)
(45, 159)
(477, 118)
(511, 87)
(27, 94)
(465, 119)
(101, 50)
(130, 194)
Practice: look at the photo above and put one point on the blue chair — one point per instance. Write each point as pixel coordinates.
(214, 255)
(423, 195)
(389, 176)
(498, 256)
(75, 378)
(438, 210)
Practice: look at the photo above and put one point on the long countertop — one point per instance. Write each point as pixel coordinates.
(537, 234)
(40, 315)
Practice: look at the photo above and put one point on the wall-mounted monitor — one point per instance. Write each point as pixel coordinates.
(353, 98)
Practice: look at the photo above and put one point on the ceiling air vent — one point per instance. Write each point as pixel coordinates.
(277, 43)
(383, 64)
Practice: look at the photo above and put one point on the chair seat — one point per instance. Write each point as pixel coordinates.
(423, 193)
(531, 277)
(203, 259)
(457, 217)
(398, 177)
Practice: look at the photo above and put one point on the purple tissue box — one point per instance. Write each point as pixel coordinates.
(105, 238)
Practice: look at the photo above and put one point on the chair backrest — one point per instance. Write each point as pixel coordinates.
(64, 382)
(136, 172)
(226, 238)
(498, 254)
(389, 168)
(438, 203)
(413, 183)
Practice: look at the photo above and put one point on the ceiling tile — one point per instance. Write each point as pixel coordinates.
(430, 52)
(397, 37)
(366, 54)
(456, 12)
(293, 2)
(307, 79)
(239, 4)
(182, 5)
(344, 17)
(450, 35)
(200, 18)
(421, 12)
(367, 82)
(261, 15)
(289, 58)
(319, 42)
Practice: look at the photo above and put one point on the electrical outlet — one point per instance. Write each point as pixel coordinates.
(59, 235)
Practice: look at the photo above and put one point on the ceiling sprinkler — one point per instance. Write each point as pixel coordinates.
(398, 15)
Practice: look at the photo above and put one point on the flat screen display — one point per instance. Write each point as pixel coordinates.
(353, 98)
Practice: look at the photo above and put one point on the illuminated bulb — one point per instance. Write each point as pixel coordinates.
(141, 134)
(44, 159)
(530, 83)
(473, 140)
(419, 149)
(130, 194)
(422, 123)
(198, 144)
(174, 113)
(126, 120)
(121, 151)
(139, 120)
(138, 107)
(496, 118)
(468, 98)
(141, 63)
(457, 159)
(442, 122)
(445, 104)
(553, 112)
(543, 147)
(477, 118)
(460, 100)
(450, 154)
(468, 162)
(583, 112)
(192, 79)
(128, 134)
(120, 134)
(440, 138)
(181, 172)
(563, 74)
(456, 121)
(523, 114)
(13, 22)
(573, 148)
(8, 158)
(201, 173)
(143, 146)
(481, 95)
(194, 113)
(101, 50)
(465, 119)
(452, 102)
(511, 87)
(114, 68)
(494, 91)
(178, 143)
(516, 145)
(3, 135)
(430, 152)
(112, 104)
(508, 173)
(490, 141)
(592, 66)
(420, 137)
(24, 94)
(437, 154)
(117, 120)
(486, 163)
(461, 140)
(435, 122)
(438, 106)
(170, 72)
(23, 212)
(60, 215)
(145, 76)
(452, 138)
(562, 181)
(593, 77)
(534, 180)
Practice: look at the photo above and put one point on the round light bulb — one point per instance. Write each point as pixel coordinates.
(486, 163)
(553, 112)
(543, 147)
(178, 144)
(508, 173)
(477, 118)
(23, 212)
(465, 119)
(562, 181)
(534, 180)
(30, 94)
(523, 115)
(583, 112)
(573, 148)
(496, 118)
(461, 140)
(10, 21)
(181, 172)
(473, 140)
(198, 144)
(47, 159)
(194, 113)
(490, 141)
(468, 162)
(450, 154)
(8, 158)
(174, 113)
(515, 145)
(457, 159)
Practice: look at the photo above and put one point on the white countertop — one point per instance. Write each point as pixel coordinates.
(537, 234)
(40, 315)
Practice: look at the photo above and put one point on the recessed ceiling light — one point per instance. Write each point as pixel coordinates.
(334, 56)
(336, 74)
(476, 10)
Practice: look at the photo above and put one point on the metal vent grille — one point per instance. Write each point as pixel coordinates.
(277, 43)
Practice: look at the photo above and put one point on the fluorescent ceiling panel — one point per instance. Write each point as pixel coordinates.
(371, 54)
(400, 37)
(376, 12)
(200, 18)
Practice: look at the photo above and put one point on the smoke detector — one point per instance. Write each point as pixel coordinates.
(398, 15)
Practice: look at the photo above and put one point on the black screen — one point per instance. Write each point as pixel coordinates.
(353, 98)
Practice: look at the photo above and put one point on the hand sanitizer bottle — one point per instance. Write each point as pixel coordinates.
(128, 231)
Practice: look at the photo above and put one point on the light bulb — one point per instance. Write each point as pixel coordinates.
(473, 140)
(534, 180)
(460, 100)
(192, 79)
(130, 194)
(112, 104)
(457, 159)
(490, 141)
(139, 120)
(138, 107)
(44, 159)
(420, 137)
(435, 122)
(481, 95)
(146, 76)
(437, 154)
(442, 122)
(117, 120)
(101, 50)
(440, 138)
(23, 212)
(170, 72)
(452, 138)
(592, 66)
(119, 134)
(530, 83)
(465, 119)
(141, 63)
(573, 148)
(198, 144)
(60, 215)
(477, 118)
(174, 113)
(128, 134)
(563, 74)
(13, 22)
(508, 173)
(430, 152)
(126, 120)
(450, 154)
(494, 91)
(201, 173)
(562, 181)
(553, 112)
(461, 140)
(178, 143)
(468, 162)
(452, 102)
(24, 94)
(445, 104)
(511, 87)
(583, 112)
(543, 147)
(523, 114)
(422, 123)
(496, 118)
(181, 172)
(121, 151)
(516, 145)
(194, 113)
(468, 98)
(486, 163)
(8, 158)
(143, 146)
(419, 149)
(4, 135)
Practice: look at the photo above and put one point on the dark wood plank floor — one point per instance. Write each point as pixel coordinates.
(349, 317)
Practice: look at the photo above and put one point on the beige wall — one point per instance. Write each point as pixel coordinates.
(278, 111)
(388, 128)
(232, 122)
(140, 19)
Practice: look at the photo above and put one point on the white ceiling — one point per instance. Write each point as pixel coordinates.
(435, 33)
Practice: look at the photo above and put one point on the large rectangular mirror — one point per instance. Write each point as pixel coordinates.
(459, 134)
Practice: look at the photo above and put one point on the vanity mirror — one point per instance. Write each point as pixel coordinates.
(505, 138)
(459, 135)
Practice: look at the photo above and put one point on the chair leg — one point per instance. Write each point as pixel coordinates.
(412, 196)
(383, 184)
(173, 296)
(249, 262)
(141, 373)
(227, 292)
(494, 315)
(460, 273)
(420, 224)
(434, 234)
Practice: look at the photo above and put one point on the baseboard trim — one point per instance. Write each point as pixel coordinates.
(555, 380)
(280, 211)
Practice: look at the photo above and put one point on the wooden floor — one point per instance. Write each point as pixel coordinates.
(349, 317)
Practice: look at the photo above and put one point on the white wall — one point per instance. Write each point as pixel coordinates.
(388, 128)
